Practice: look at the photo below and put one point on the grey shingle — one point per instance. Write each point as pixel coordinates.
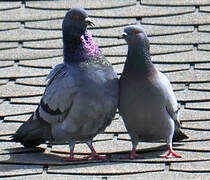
(197, 125)
(3, 81)
(202, 66)
(191, 167)
(204, 8)
(185, 38)
(116, 59)
(91, 4)
(9, 26)
(45, 176)
(46, 63)
(46, 44)
(9, 5)
(117, 126)
(195, 146)
(200, 86)
(154, 30)
(186, 19)
(193, 115)
(8, 45)
(205, 47)
(9, 147)
(190, 95)
(26, 100)
(36, 81)
(8, 128)
(140, 11)
(172, 67)
(28, 35)
(19, 118)
(1, 101)
(105, 42)
(6, 63)
(26, 54)
(167, 49)
(19, 72)
(183, 57)
(111, 168)
(204, 28)
(32, 158)
(7, 109)
(199, 105)
(14, 90)
(17, 170)
(178, 86)
(26, 14)
(175, 3)
(189, 76)
(171, 175)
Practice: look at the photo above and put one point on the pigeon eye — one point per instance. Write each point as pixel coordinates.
(76, 17)
(135, 31)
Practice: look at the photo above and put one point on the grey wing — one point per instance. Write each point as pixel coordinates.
(171, 105)
(58, 96)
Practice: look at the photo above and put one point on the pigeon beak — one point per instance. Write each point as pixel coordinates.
(123, 36)
(89, 22)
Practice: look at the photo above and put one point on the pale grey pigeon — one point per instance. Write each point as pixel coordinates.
(81, 96)
(147, 102)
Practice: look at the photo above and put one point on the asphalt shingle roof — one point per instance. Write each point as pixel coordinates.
(31, 44)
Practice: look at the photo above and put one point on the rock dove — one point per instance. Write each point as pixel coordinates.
(147, 102)
(81, 95)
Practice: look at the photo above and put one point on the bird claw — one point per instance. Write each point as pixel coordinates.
(96, 157)
(171, 155)
(72, 159)
(132, 155)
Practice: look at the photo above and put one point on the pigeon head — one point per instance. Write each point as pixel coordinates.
(75, 23)
(79, 45)
(135, 34)
(138, 55)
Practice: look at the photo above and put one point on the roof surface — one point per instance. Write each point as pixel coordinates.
(30, 45)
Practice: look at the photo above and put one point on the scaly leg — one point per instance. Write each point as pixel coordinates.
(71, 157)
(133, 154)
(94, 155)
(171, 153)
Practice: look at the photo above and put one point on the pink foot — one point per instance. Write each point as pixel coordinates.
(72, 159)
(96, 157)
(171, 154)
(132, 155)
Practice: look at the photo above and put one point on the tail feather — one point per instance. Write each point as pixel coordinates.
(33, 132)
(179, 135)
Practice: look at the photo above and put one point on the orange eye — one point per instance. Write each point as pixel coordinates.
(135, 31)
(75, 16)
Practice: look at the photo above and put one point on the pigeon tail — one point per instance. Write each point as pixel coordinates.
(179, 135)
(33, 132)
